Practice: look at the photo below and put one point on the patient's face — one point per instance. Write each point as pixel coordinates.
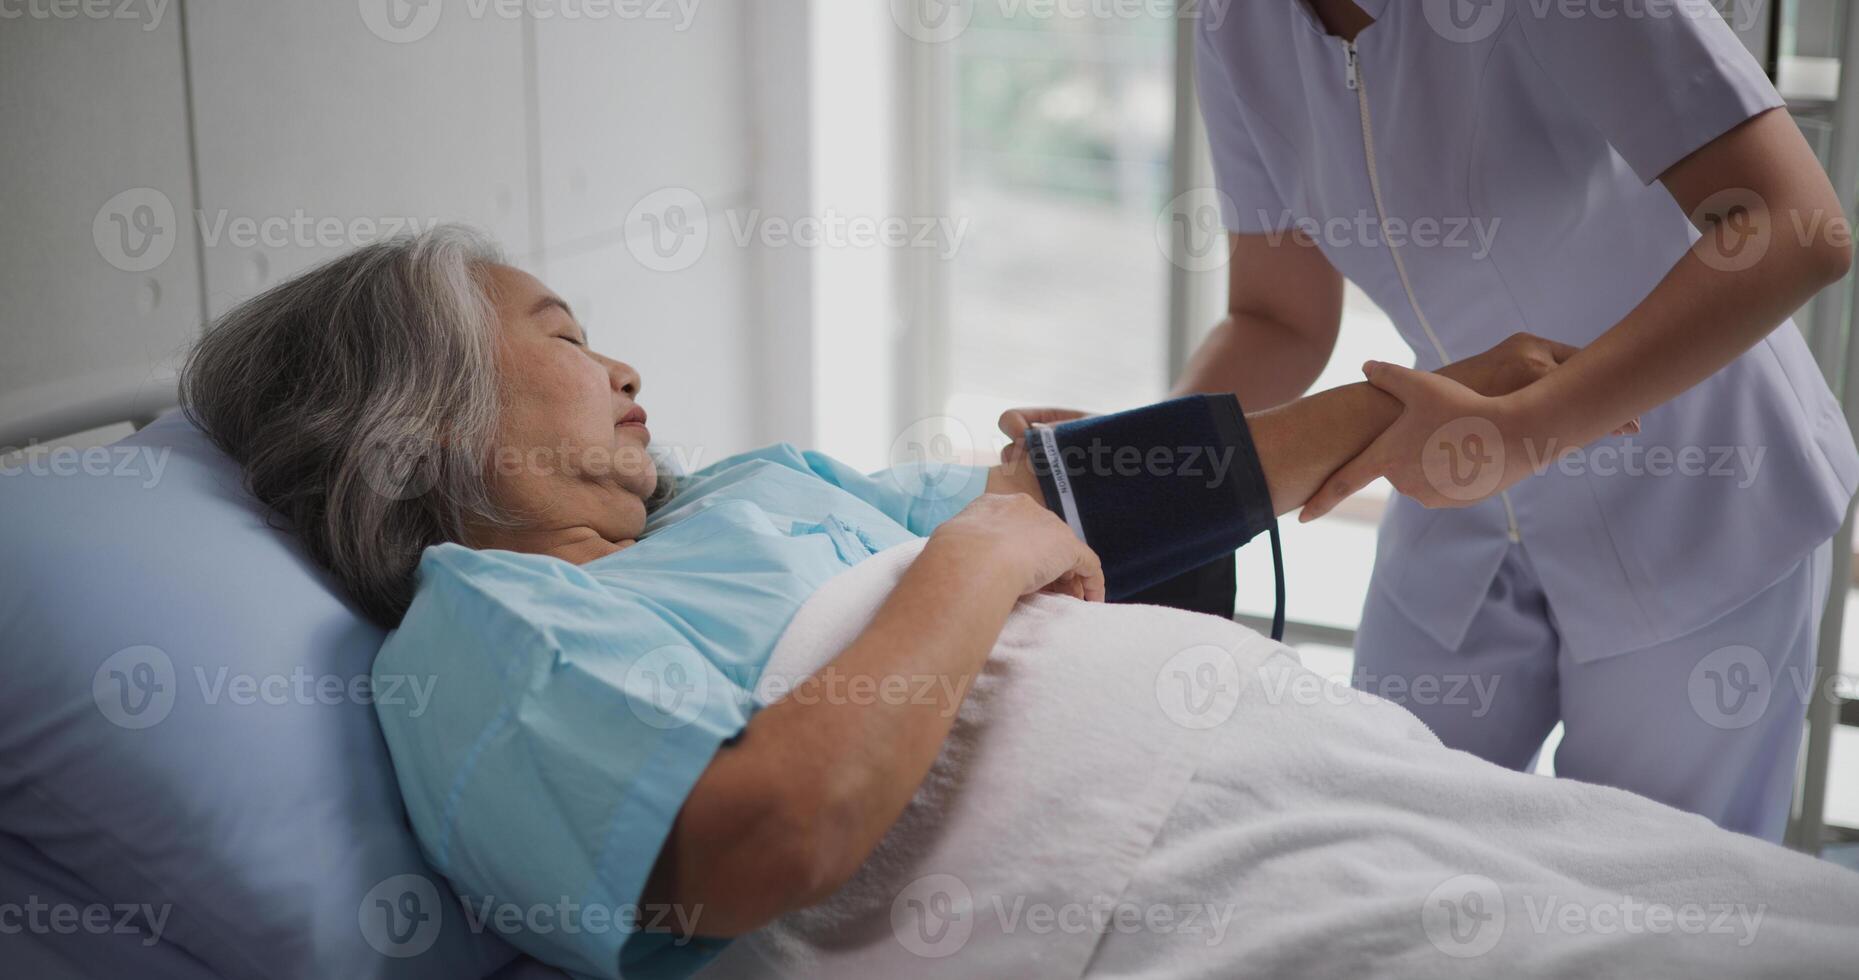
(572, 440)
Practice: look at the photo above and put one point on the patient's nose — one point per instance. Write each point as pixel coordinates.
(625, 378)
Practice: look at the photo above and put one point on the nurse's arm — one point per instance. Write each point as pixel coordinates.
(1300, 444)
(1774, 235)
(1284, 311)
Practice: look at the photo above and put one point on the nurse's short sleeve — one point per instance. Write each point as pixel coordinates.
(1249, 203)
(566, 725)
(1657, 87)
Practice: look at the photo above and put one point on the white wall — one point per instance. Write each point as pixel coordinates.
(323, 125)
(92, 113)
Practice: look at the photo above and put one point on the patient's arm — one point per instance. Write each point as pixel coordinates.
(1300, 444)
(788, 812)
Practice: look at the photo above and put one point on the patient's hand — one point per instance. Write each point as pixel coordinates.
(1029, 546)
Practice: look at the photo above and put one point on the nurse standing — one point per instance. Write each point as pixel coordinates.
(1656, 592)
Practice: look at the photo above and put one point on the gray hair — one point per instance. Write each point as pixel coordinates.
(361, 399)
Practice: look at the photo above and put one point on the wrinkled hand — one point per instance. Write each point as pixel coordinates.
(1031, 546)
(1015, 421)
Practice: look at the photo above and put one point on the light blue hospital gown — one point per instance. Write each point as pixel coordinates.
(574, 707)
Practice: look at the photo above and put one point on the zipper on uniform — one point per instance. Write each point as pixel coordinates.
(1353, 78)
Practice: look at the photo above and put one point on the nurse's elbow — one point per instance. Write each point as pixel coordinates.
(1829, 257)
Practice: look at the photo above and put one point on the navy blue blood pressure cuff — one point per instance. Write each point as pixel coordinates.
(1158, 491)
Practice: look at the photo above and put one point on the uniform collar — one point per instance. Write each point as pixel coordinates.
(1374, 8)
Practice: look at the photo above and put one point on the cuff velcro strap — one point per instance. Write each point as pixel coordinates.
(1156, 491)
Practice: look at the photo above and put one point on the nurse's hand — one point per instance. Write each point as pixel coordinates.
(1459, 438)
(1030, 548)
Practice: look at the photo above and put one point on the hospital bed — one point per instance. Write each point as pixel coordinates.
(174, 755)
(254, 834)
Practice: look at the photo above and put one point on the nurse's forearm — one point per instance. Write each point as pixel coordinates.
(1784, 240)
(1265, 362)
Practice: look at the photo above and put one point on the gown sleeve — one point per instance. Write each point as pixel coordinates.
(569, 722)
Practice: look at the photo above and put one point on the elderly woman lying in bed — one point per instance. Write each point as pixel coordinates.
(433, 425)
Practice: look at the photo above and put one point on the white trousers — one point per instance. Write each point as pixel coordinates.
(1710, 722)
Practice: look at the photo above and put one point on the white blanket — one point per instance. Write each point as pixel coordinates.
(1138, 792)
